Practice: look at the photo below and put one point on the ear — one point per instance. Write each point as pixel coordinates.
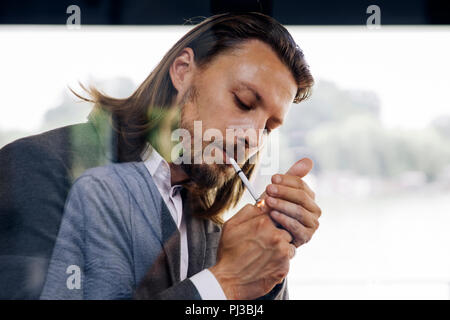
(182, 71)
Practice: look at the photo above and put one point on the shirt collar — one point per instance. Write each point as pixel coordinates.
(154, 163)
(153, 159)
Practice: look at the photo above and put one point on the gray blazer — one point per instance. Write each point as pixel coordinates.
(117, 229)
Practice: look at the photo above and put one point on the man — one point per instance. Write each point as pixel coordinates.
(248, 68)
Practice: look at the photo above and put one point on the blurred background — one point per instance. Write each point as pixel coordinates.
(377, 125)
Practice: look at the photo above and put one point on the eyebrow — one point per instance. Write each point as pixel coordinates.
(259, 98)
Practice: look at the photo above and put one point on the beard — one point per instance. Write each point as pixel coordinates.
(207, 176)
(203, 176)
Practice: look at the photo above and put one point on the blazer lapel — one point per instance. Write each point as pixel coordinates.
(203, 239)
(165, 271)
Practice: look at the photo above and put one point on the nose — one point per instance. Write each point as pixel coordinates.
(249, 134)
(253, 141)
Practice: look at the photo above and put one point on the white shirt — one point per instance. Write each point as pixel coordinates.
(205, 282)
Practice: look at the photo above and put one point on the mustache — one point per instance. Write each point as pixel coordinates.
(239, 148)
(239, 151)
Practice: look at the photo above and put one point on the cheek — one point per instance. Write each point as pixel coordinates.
(215, 111)
(216, 108)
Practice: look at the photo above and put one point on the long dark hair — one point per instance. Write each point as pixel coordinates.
(133, 120)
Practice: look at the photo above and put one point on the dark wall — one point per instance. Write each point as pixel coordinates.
(176, 12)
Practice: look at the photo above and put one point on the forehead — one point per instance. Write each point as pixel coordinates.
(255, 63)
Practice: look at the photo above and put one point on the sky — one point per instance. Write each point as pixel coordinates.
(407, 67)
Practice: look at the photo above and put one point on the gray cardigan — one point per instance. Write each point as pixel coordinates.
(117, 229)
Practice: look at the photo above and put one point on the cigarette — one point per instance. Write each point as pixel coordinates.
(259, 202)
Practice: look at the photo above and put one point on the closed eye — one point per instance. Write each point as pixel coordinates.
(241, 105)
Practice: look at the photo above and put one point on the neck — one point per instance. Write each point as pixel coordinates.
(177, 174)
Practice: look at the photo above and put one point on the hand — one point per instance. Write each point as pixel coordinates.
(253, 255)
(291, 203)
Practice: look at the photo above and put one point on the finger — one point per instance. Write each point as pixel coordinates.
(301, 167)
(287, 193)
(293, 250)
(295, 196)
(289, 249)
(299, 232)
(293, 182)
(246, 213)
(286, 236)
(294, 211)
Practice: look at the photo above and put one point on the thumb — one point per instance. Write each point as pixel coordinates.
(301, 167)
(246, 213)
